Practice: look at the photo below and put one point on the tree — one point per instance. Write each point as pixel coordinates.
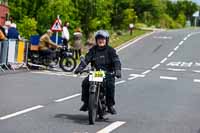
(27, 27)
(129, 17)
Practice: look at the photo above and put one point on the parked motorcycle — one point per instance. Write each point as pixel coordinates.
(64, 58)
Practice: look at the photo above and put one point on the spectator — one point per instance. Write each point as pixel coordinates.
(7, 26)
(131, 26)
(77, 43)
(13, 32)
(90, 41)
(65, 34)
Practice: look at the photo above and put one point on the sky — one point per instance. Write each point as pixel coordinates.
(197, 1)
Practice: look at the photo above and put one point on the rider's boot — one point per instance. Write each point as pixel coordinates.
(112, 110)
(84, 107)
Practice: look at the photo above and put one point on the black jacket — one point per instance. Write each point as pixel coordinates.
(104, 58)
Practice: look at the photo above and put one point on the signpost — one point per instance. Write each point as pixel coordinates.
(196, 15)
(57, 27)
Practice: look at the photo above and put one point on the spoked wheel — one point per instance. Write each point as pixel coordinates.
(92, 108)
(67, 64)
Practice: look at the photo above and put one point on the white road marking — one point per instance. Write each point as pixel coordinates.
(131, 78)
(67, 98)
(170, 54)
(196, 71)
(196, 80)
(21, 112)
(120, 82)
(55, 73)
(147, 71)
(127, 69)
(112, 127)
(176, 48)
(181, 43)
(163, 61)
(162, 37)
(154, 67)
(169, 78)
(177, 70)
(137, 75)
(185, 38)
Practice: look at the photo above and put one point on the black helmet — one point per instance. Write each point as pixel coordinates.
(102, 34)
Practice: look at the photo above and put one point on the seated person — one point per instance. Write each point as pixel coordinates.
(46, 45)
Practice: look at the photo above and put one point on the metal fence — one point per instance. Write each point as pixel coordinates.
(13, 54)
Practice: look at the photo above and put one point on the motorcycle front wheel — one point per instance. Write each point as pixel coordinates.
(92, 108)
(67, 64)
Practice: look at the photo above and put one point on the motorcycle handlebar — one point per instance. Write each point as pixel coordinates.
(107, 73)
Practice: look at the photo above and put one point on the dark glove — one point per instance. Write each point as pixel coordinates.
(118, 73)
(78, 70)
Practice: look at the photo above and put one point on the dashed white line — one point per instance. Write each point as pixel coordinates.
(146, 72)
(196, 80)
(163, 61)
(67, 98)
(120, 82)
(169, 78)
(185, 38)
(196, 71)
(176, 48)
(137, 75)
(170, 54)
(177, 70)
(188, 35)
(154, 67)
(131, 78)
(112, 127)
(181, 43)
(127, 69)
(21, 112)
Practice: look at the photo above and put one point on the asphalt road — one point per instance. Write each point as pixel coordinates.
(158, 93)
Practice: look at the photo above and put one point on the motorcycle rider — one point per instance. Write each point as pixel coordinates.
(104, 57)
(46, 45)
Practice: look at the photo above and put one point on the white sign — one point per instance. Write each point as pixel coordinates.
(196, 14)
(56, 26)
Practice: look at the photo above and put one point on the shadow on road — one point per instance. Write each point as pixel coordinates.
(77, 118)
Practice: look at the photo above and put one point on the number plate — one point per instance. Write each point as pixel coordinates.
(96, 76)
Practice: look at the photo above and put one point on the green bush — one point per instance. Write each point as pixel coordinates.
(27, 27)
(140, 25)
(167, 22)
(181, 19)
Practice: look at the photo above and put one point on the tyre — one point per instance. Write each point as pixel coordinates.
(92, 108)
(67, 64)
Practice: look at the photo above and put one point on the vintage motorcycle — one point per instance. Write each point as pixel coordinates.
(97, 108)
(64, 58)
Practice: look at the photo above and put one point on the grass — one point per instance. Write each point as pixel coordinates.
(117, 40)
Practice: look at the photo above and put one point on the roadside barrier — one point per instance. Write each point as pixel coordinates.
(14, 54)
(3, 55)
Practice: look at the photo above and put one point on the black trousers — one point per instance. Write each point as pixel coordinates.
(110, 90)
(65, 42)
(48, 53)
